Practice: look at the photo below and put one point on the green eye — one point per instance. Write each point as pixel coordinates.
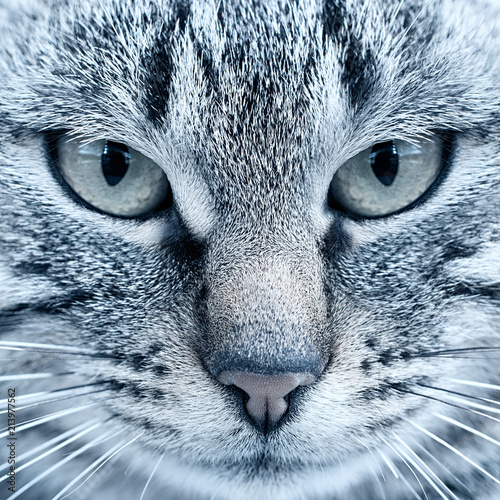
(113, 178)
(386, 178)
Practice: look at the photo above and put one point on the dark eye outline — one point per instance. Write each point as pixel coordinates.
(448, 140)
(51, 141)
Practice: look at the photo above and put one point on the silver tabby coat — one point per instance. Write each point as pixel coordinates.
(115, 331)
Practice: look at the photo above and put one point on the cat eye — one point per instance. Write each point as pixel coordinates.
(387, 177)
(113, 178)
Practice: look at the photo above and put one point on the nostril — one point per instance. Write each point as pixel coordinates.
(268, 399)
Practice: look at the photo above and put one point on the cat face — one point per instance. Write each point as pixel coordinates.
(251, 250)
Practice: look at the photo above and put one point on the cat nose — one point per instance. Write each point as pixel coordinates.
(268, 395)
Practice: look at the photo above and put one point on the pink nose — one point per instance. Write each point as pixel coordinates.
(266, 404)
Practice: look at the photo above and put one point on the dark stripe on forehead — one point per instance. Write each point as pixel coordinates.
(358, 64)
(158, 61)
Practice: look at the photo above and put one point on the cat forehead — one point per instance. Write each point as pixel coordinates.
(247, 89)
(111, 59)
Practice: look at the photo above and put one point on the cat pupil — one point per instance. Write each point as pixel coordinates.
(115, 161)
(384, 162)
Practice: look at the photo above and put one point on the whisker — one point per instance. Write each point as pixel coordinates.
(467, 428)
(59, 464)
(476, 384)
(422, 472)
(373, 471)
(373, 456)
(406, 482)
(429, 480)
(32, 376)
(59, 347)
(52, 349)
(151, 476)
(56, 356)
(87, 429)
(475, 405)
(389, 464)
(379, 468)
(48, 351)
(432, 398)
(34, 422)
(87, 470)
(407, 465)
(451, 358)
(57, 400)
(49, 443)
(438, 463)
(378, 481)
(42, 394)
(454, 450)
(449, 391)
(447, 352)
(104, 463)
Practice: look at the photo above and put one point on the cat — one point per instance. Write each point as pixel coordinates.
(250, 250)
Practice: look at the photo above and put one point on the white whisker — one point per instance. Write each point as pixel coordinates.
(57, 400)
(454, 450)
(412, 455)
(389, 464)
(422, 472)
(373, 471)
(406, 482)
(492, 401)
(56, 466)
(467, 428)
(49, 443)
(476, 384)
(474, 405)
(150, 476)
(104, 463)
(465, 402)
(28, 424)
(489, 417)
(377, 480)
(88, 429)
(36, 397)
(32, 376)
(373, 456)
(440, 464)
(27, 396)
(21, 346)
(407, 465)
(461, 394)
(87, 470)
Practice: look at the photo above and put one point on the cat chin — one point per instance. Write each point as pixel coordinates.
(254, 457)
(265, 480)
(263, 468)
